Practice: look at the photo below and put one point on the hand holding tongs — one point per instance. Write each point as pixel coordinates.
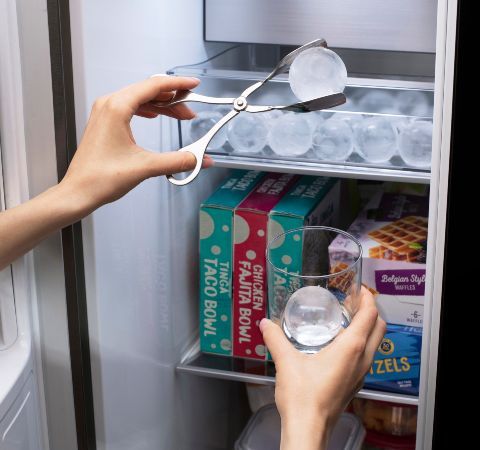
(199, 147)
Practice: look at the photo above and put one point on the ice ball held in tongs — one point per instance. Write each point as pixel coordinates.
(241, 105)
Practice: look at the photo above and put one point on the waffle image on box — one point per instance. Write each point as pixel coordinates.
(216, 260)
(392, 230)
(396, 364)
(311, 201)
(250, 274)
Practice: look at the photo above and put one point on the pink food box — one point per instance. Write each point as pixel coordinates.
(249, 267)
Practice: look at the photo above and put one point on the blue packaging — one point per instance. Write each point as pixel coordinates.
(396, 364)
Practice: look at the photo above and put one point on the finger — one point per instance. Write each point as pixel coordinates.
(374, 340)
(364, 320)
(165, 96)
(207, 162)
(168, 163)
(144, 91)
(276, 341)
(181, 112)
(146, 114)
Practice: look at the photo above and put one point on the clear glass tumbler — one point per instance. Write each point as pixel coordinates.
(313, 285)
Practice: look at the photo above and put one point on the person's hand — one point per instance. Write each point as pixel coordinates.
(108, 163)
(312, 390)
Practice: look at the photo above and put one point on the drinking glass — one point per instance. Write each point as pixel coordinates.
(313, 285)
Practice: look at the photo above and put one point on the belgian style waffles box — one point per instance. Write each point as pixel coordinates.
(311, 201)
(250, 274)
(216, 260)
(392, 230)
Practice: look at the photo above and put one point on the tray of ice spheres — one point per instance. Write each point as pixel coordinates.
(379, 126)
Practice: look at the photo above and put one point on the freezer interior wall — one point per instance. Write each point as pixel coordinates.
(140, 252)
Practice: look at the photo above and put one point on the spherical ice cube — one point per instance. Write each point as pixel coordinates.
(204, 121)
(312, 317)
(333, 140)
(290, 135)
(378, 101)
(271, 115)
(317, 72)
(314, 119)
(414, 103)
(247, 133)
(415, 144)
(376, 139)
(352, 120)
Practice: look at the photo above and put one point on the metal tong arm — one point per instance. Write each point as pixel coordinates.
(198, 149)
(189, 96)
(316, 104)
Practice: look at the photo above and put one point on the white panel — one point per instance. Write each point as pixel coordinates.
(19, 428)
(141, 283)
(8, 319)
(404, 25)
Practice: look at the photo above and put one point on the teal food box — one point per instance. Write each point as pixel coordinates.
(396, 364)
(311, 201)
(216, 250)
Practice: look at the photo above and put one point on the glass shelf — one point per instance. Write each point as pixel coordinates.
(250, 371)
(356, 171)
(233, 71)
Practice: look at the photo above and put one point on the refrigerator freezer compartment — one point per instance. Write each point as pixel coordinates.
(259, 372)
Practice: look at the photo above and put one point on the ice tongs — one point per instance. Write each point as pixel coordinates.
(240, 104)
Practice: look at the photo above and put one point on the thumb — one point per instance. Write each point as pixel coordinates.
(275, 339)
(169, 163)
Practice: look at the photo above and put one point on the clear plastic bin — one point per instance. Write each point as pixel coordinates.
(263, 432)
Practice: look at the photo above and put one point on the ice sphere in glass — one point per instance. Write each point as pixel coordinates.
(378, 101)
(204, 121)
(290, 135)
(376, 139)
(312, 316)
(333, 140)
(247, 133)
(414, 103)
(415, 144)
(317, 72)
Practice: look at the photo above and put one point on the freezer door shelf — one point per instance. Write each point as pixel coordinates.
(250, 371)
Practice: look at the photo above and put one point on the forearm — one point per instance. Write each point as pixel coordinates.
(23, 227)
(304, 433)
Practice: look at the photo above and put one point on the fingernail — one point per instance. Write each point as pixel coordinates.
(159, 75)
(263, 323)
(194, 79)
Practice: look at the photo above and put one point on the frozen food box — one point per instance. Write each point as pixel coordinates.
(392, 230)
(396, 364)
(250, 274)
(216, 260)
(311, 201)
